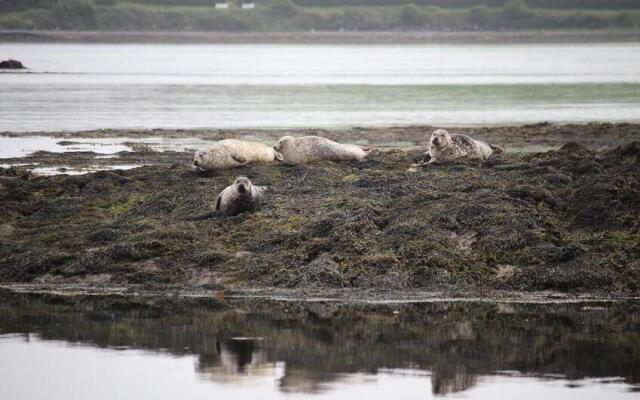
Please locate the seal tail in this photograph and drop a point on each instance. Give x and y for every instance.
(496, 148)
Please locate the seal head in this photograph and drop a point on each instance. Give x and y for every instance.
(285, 143)
(198, 158)
(441, 139)
(243, 185)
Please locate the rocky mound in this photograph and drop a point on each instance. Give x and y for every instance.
(564, 220)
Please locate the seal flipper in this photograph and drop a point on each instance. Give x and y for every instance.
(496, 148)
(239, 159)
(422, 158)
(218, 203)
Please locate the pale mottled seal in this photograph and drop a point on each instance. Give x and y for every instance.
(314, 148)
(231, 153)
(241, 196)
(444, 147)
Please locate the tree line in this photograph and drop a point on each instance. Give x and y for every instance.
(551, 4)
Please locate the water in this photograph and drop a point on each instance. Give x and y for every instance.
(104, 148)
(16, 147)
(92, 86)
(109, 347)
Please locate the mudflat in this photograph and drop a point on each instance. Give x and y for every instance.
(556, 216)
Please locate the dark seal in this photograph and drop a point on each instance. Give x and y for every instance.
(240, 197)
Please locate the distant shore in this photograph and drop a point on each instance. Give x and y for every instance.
(435, 37)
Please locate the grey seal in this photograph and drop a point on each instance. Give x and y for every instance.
(231, 153)
(307, 149)
(445, 147)
(241, 196)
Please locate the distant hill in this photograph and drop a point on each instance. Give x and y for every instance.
(318, 15)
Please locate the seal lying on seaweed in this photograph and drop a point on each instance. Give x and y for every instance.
(231, 153)
(241, 196)
(307, 149)
(445, 147)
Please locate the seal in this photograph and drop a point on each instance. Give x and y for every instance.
(241, 196)
(232, 153)
(444, 147)
(307, 149)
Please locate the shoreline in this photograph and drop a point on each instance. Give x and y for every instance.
(543, 135)
(328, 38)
(326, 296)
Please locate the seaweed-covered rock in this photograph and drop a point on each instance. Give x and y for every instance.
(562, 220)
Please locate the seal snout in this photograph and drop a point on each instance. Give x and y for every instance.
(242, 188)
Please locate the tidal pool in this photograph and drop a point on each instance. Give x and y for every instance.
(112, 347)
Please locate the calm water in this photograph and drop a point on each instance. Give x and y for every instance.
(88, 86)
(111, 348)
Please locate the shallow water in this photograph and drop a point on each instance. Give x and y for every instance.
(91, 86)
(104, 148)
(115, 348)
(16, 147)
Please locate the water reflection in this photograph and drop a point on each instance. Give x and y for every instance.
(235, 360)
(445, 381)
(323, 348)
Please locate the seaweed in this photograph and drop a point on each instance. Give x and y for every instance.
(564, 220)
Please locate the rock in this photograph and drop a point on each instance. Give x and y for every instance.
(561, 220)
(11, 64)
(630, 152)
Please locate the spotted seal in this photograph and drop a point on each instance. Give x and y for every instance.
(445, 147)
(241, 196)
(307, 149)
(231, 153)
